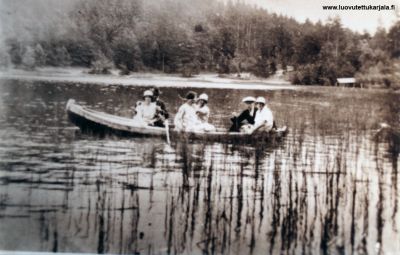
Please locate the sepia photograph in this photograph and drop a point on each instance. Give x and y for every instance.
(200, 127)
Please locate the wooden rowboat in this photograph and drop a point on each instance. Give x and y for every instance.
(99, 122)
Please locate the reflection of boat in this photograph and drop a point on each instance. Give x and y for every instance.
(100, 122)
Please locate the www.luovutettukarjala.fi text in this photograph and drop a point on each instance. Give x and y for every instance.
(359, 7)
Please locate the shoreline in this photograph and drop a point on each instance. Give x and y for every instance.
(79, 75)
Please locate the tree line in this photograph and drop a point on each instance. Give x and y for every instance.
(190, 37)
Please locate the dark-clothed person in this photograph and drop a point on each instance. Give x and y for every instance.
(246, 117)
(162, 113)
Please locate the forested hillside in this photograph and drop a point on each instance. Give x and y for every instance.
(179, 36)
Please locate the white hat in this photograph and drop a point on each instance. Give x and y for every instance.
(248, 99)
(261, 100)
(148, 93)
(203, 97)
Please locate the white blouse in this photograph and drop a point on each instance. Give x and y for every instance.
(186, 118)
(145, 113)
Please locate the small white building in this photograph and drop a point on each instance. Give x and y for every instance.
(347, 82)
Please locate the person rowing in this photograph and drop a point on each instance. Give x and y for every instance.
(203, 114)
(145, 110)
(162, 113)
(186, 118)
(246, 117)
(264, 120)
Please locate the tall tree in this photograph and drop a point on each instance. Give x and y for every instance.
(393, 40)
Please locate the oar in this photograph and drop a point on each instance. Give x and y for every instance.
(167, 131)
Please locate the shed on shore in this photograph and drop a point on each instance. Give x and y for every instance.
(347, 82)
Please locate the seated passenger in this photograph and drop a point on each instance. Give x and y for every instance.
(162, 113)
(186, 119)
(246, 117)
(264, 120)
(203, 113)
(145, 111)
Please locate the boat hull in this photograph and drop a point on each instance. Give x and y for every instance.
(90, 121)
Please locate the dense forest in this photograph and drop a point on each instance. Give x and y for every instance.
(188, 37)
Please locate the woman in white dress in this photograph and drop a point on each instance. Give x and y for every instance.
(264, 120)
(186, 119)
(203, 113)
(145, 111)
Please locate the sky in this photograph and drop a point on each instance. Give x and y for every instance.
(354, 19)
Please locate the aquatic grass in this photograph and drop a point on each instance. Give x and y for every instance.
(337, 110)
(328, 188)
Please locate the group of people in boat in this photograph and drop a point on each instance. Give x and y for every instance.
(193, 115)
(256, 117)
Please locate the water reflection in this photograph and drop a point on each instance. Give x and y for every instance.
(316, 192)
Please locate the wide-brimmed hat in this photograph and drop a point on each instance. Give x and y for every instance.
(248, 99)
(261, 100)
(203, 97)
(148, 93)
(190, 95)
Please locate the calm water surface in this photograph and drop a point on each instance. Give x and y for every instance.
(331, 187)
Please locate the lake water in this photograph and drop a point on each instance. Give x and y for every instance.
(330, 187)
